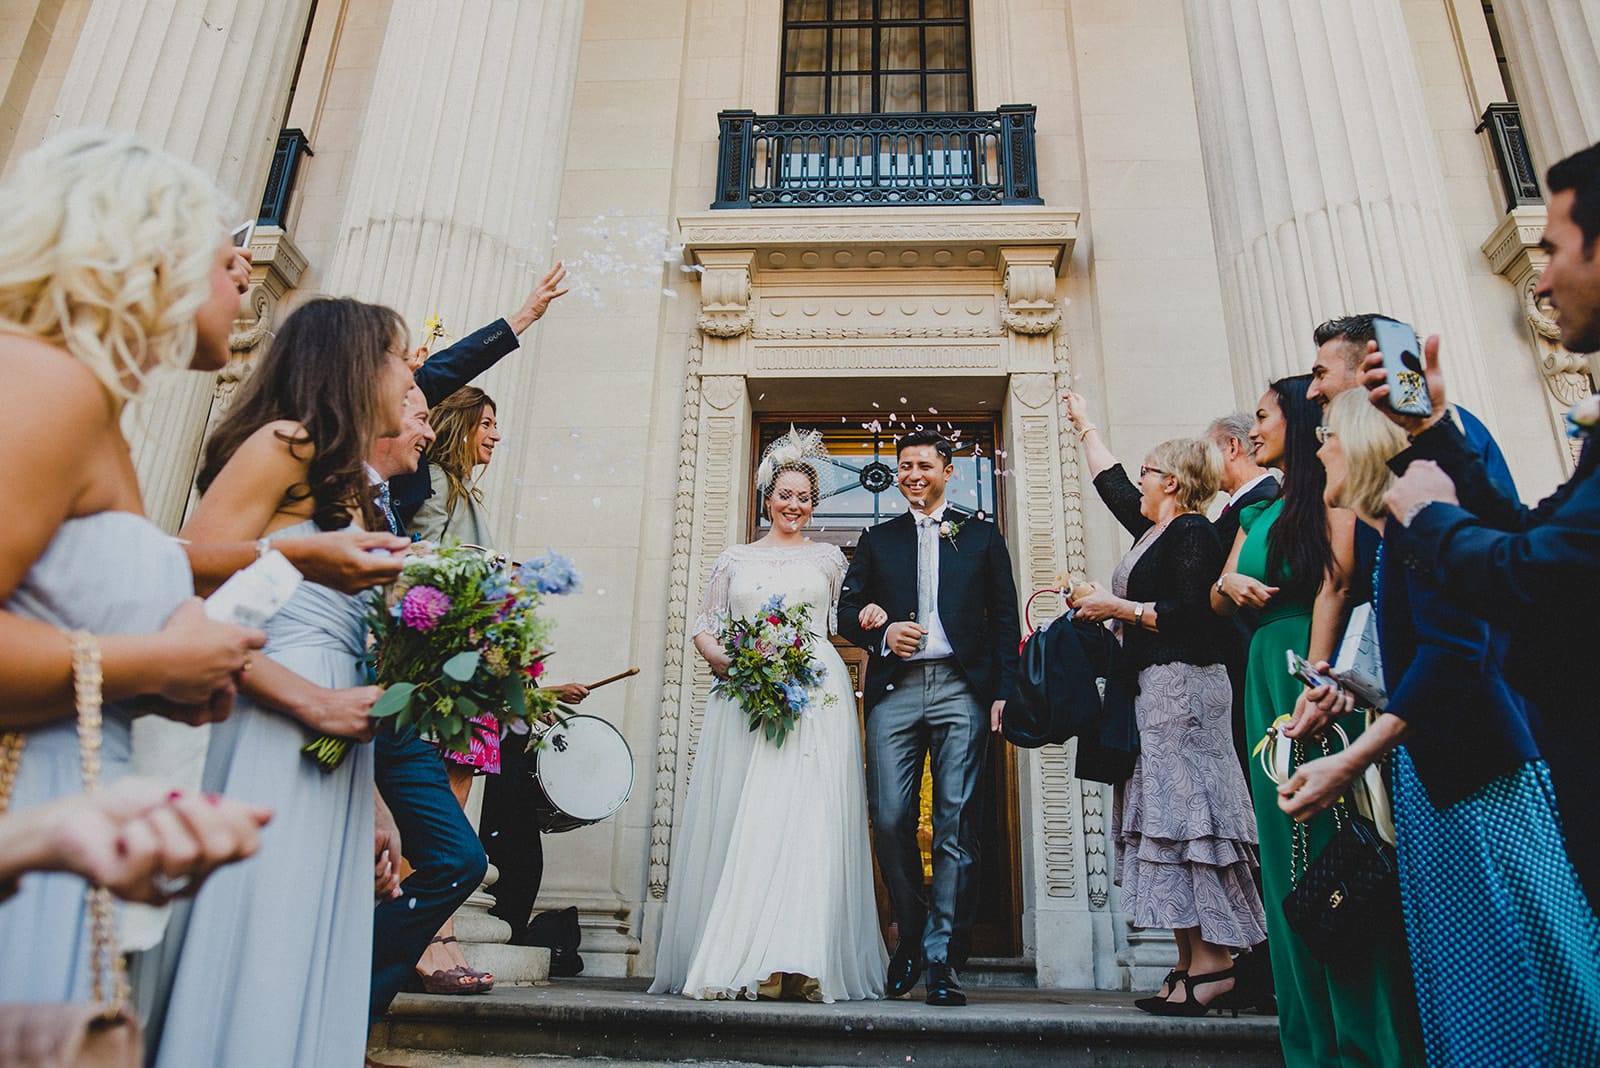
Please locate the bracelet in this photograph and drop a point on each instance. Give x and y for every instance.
(1085, 431)
(1414, 511)
(263, 546)
(1218, 586)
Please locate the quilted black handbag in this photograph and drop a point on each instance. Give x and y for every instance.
(1347, 900)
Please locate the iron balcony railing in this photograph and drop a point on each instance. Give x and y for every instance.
(885, 160)
(280, 179)
(1519, 179)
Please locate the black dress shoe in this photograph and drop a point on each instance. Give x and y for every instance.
(905, 968)
(943, 987)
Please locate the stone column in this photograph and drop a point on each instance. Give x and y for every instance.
(207, 80)
(1553, 47)
(451, 199)
(1325, 182)
(454, 186)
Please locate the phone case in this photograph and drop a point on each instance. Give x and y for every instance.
(1402, 363)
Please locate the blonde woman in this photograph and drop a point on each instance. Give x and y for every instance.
(466, 436)
(114, 265)
(1186, 836)
(1484, 871)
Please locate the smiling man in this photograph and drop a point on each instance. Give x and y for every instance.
(930, 596)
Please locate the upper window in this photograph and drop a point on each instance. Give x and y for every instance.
(843, 57)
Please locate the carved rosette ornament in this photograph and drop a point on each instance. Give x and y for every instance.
(1566, 374)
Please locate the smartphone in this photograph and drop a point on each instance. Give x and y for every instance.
(1402, 365)
(1302, 669)
(243, 233)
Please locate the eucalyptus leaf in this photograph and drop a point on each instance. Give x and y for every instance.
(394, 700)
(462, 666)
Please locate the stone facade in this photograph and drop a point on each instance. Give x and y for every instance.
(1205, 202)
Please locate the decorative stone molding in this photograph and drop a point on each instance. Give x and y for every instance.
(895, 238)
(1071, 492)
(725, 292)
(876, 357)
(1514, 253)
(722, 391)
(719, 436)
(1095, 858)
(797, 333)
(676, 629)
(1033, 390)
(1030, 284)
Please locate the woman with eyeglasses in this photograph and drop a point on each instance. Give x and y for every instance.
(1292, 561)
(1185, 833)
(1484, 871)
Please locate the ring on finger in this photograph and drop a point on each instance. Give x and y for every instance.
(169, 885)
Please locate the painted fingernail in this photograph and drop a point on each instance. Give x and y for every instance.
(213, 799)
(174, 795)
(122, 848)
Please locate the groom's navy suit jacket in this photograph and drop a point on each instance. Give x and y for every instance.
(977, 602)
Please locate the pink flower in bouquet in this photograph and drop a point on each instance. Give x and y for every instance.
(774, 620)
(423, 607)
(764, 647)
(534, 670)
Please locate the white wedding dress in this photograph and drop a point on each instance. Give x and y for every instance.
(771, 868)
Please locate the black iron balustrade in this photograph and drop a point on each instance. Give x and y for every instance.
(885, 160)
(1518, 176)
(280, 179)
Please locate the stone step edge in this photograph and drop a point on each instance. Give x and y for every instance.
(965, 1025)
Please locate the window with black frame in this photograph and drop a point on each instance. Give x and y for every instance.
(862, 489)
(851, 57)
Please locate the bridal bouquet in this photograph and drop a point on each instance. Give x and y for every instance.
(458, 636)
(772, 676)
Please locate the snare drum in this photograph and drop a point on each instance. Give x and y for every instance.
(582, 772)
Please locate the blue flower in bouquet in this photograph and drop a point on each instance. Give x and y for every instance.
(797, 696)
(551, 573)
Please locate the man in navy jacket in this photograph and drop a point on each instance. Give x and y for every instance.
(1537, 570)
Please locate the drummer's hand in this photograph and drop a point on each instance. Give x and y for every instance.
(871, 617)
(573, 693)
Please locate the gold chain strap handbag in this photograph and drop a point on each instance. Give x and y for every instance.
(102, 1033)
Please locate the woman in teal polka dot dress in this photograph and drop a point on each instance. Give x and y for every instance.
(1505, 949)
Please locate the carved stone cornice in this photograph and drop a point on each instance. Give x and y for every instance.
(892, 238)
(276, 267)
(1513, 248)
(1030, 283)
(725, 292)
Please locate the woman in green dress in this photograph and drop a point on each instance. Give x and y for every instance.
(1290, 564)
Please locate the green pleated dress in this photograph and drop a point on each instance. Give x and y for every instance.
(1326, 1018)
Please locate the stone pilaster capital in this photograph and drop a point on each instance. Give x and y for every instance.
(1030, 285)
(725, 310)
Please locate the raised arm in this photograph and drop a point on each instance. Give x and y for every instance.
(449, 369)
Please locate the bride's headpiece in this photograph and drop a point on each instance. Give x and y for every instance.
(797, 448)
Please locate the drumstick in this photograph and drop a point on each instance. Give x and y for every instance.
(613, 678)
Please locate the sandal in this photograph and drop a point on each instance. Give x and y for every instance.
(484, 980)
(449, 981)
(1193, 1006)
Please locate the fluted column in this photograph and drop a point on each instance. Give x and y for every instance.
(207, 80)
(450, 205)
(454, 187)
(1553, 47)
(1324, 181)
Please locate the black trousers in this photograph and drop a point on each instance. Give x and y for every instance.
(509, 830)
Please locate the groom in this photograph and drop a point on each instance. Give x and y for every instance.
(930, 596)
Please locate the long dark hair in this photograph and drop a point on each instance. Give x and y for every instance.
(455, 448)
(322, 371)
(1297, 545)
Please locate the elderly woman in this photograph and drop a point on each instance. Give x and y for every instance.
(1186, 836)
(1490, 899)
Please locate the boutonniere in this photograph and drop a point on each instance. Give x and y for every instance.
(1583, 417)
(949, 531)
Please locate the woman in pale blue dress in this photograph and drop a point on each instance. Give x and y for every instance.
(272, 965)
(114, 263)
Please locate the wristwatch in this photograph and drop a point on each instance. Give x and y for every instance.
(1138, 614)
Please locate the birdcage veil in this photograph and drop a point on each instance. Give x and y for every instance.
(799, 449)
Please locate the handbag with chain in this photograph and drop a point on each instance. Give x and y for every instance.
(102, 1033)
(1347, 899)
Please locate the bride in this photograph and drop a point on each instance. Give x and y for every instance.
(771, 889)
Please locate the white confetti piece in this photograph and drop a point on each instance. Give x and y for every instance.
(595, 502)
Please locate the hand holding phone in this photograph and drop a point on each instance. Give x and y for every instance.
(1302, 669)
(1402, 366)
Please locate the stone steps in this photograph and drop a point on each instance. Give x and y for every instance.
(579, 1019)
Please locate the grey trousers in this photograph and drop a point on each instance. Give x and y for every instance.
(930, 709)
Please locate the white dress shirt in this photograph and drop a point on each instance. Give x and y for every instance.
(938, 646)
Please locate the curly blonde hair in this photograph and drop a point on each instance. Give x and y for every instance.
(106, 249)
(1197, 465)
